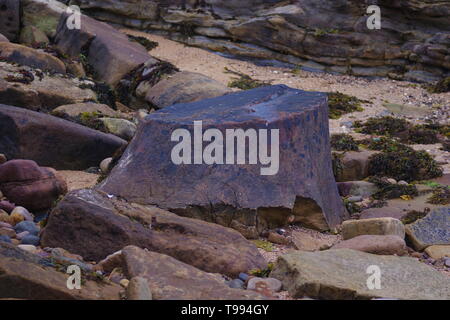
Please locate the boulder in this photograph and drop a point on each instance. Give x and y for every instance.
(384, 245)
(51, 141)
(438, 252)
(183, 87)
(434, 229)
(77, 109)
(346, 274)
(353, 165)
(33, 58)
(30, 89)
(254, 195)
(170, 279)
(10, 18)
(95, 225)
(23, 276)
(108, 51)
(357, 188)
(26, 184)
(375, 226)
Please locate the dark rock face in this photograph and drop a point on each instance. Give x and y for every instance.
(91, 224)
(332, 35)
(26, 184)
(170, 279)
(108, 51)
(51, 141)
(303, 189)
(10, 18)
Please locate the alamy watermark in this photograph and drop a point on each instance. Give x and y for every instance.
(231, 149)
(73, 21)
(374, 280)
(374, 21)
(74, 280)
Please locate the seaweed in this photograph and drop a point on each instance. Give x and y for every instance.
(146, 43)
(263, 244)
(340, 104)
(440, 196)
(262, 273)
(406, 164)
(413, 216)
(244, 81)
(343, 142)
(387, 126)
(384, 144)
(439, 87)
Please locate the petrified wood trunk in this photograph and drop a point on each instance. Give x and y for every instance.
(247, 197)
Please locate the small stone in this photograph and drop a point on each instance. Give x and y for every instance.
(7, 232)
(355, 199)
(6, 206)
(391, 181)
(447, 262)
(375, 226)
(236, 284)
(2, 158)
(28, 247)
(277, 238)
(273, 284)
(243, 276)
(124, 282)
(30, 239)
(417, 255)
(104, 165)
(402, 183)
(16, 218)
(138, 289)
(5, 225)
(438, 251)
(27, 226)
(4, 217)
(24, 212)
(5, 239)
(21, 235)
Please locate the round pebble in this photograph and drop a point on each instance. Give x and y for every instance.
(30, 239)
(16, 218)
(243, 276)
(236, 284)
(24, 212)
(447, 262)
(28, 247)
(27, 226)
(124, 282)
(104, 165)
(21, 235)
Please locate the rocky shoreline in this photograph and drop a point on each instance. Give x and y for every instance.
(87, 182)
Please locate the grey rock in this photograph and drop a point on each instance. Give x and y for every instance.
(138, 289)
(272, 284)
(5, 239)
(236, 284)
(30, 239)
(27, 226)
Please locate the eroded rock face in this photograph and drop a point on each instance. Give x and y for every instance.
(26, 184)
(322, 35)
(91, 224)
(51, 141)
(170, 279)
(303, 189)
(342, 274)
(10, 18)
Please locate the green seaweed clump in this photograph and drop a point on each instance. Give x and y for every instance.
(146, 43)
(440, 87)
(262, 273)
(407, 164)
(422, 135)
(413, 216)
(244, 81)
(343, 142)
(340, 104)
(383, 144)
(440, 196)
(387, 190)
(387, 125)
(263, 244)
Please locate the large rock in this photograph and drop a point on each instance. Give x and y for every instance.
(42, 14)
(385, 245)
(344, 274)
(26, 56)
(327, 35)
(37, 91)
(301, 190)
(26, 184)
(94, 226)
(183, 87)
(23, 276)
(434, 229)
(10, 18)
(51, 141)
(384, 212)
(353, 165)
(108, 51)
(170, 279)
(374, 226)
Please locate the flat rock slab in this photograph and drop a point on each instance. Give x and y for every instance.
(170, 279)
(23, 276)
(51, 141)
(303, 187)
(93, 225)
(342, 274)
(434, 229)
(385, 212)
(384, 245)
(375, 226)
